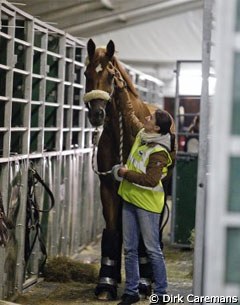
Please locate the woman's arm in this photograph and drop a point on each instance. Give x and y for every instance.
(153, 173)
(126, 108)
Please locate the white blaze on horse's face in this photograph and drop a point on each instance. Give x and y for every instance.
(99, 68)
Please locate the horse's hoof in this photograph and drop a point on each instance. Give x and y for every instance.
(105, 296)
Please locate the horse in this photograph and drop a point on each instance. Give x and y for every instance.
(113, 148)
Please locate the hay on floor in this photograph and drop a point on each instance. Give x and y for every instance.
(63, 269)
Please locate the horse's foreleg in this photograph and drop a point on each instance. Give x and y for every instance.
(112, 208)
(110, 271)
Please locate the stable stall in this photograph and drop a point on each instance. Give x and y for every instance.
(49, 191)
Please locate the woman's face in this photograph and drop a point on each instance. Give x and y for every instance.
(150, 124)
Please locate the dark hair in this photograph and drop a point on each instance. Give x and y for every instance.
(163, 120)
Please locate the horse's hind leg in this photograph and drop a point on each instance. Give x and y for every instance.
(110, 271)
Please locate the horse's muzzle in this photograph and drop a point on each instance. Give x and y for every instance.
(96, 116)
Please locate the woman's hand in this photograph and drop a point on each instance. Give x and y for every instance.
(122, 171)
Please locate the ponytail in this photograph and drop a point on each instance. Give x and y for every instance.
(172, 141)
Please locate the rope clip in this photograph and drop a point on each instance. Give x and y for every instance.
(95, 137)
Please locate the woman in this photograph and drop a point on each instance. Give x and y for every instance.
(143, 195)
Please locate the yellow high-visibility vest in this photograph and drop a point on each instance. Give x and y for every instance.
(147, 198)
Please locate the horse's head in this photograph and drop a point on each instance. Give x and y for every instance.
(99, 75)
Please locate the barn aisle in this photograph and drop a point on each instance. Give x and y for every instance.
(179, 267)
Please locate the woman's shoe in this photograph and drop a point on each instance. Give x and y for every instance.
(128, 299)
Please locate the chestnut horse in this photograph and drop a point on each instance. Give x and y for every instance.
(101, 100)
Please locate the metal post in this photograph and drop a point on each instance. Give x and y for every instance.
(43, 66)
(203, 151)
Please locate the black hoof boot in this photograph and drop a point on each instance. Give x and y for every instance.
(145, 290)
(105, 292)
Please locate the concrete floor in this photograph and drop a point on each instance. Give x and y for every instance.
(179, 264)
(179, 269)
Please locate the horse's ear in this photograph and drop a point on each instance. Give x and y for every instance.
(110, 49)
(91, 47)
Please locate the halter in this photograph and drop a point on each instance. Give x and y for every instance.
(96, 94)
(100, 94)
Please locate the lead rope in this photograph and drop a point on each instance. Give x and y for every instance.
(95, 143)
(121, 138)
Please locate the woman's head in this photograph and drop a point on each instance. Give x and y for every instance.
(160, 122)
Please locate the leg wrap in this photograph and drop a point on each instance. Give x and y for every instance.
(110, 267)
(145, 270)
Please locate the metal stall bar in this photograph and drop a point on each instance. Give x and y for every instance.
(185, 170)
(73, 247)
(20, 228)
(78, 238)
(202, 178)
(6, 74)
(57, 162)
(68, 95)
(23, 41)
(9, 15)
(83, 117)
(25, 49)
(13, 264)
(9, 81)
(39, 76)
(28, 84)
(66, 207)
(222, 238)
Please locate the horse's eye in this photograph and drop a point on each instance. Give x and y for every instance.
(87, 74)
(110, 69)
(110, 76)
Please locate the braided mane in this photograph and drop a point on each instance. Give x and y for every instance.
(125, 76)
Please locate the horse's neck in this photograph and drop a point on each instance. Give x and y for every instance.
(140, 108)
(114, 108)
